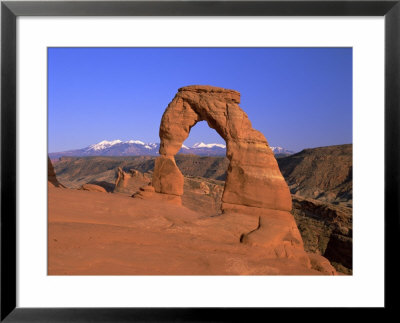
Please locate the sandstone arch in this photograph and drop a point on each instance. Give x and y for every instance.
(253, 177)
(256, 199)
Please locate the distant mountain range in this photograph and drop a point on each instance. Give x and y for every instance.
(140, 148)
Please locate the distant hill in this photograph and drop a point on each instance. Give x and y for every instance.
(140, 148)
(324, 174)
(75, 171)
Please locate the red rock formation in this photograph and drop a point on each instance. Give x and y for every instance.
(148, 192)
(253, 177)
(51, 175)
(167, 178)
(91, 233)
(254, 184)
(130, 182)
(321, 264)
(93, 188)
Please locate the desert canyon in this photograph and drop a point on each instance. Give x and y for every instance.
(165, 216)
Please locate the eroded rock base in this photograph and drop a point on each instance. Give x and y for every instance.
(148, 193)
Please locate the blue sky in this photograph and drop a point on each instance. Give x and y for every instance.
(297, 97)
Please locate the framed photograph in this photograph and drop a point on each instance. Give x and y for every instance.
(196, 160)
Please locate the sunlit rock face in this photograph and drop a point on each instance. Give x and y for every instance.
(253, 177)
(130, 182)
(51, 175)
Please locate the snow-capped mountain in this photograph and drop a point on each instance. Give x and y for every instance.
(104, 144)
(281, 151)
(203, 145)
(140, 148)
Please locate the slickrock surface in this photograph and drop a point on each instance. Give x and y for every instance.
(93, 188)
(113, 234)
(202, 195)
(148, 193)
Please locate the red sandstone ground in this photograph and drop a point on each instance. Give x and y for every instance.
(94, 233)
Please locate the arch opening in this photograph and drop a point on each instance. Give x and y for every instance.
(202, 134)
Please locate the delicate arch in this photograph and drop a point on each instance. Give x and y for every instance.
(253, 176)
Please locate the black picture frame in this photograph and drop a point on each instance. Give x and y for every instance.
(10, 10)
